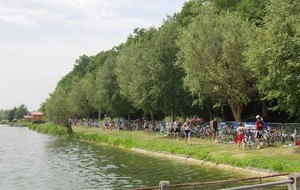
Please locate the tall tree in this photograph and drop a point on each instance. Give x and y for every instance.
(57, 109)
(11, 115)
(211, 54)
(274, 55)
(108, 91)
(21, 111)
(78, 101)
(174, 97)
(139, 72)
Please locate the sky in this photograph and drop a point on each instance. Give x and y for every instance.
(40, 40)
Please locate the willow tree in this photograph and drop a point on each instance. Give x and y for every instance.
(57, 109)
(211, 55)
(78, 102)
(108, 95)
(274, 56)
(139, 72)
(174, 98)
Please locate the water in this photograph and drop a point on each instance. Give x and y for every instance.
(30, 160)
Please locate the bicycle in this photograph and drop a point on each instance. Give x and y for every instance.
(271, 137)
(250, 140)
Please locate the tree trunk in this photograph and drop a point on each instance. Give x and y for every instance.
(265, 108)
(172, 115)
(69, 127)
(237, 110)
(99, 114)
(152, 118)
(128, 117)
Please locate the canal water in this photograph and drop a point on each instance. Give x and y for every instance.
(30, 160)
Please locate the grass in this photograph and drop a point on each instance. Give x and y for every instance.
(282, 159)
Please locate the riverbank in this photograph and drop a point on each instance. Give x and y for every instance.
(279, 159)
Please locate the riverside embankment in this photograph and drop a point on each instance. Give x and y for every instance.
(279, 159)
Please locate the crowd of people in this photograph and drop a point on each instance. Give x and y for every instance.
(178, 129)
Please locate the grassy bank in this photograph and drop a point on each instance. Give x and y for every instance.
(277, 159)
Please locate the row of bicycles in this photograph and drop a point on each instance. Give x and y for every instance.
(270, 137)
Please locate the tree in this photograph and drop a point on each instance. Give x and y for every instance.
(11, 115)
(188, 12)
(90, 90)
(274, 56)
(211, 54)
(77, 99)
(79, 71)
(20, 112)
(253, 11)
(174, 97)
(139, 72)
(108, 90)
(57, 109)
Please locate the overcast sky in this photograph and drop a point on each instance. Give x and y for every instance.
(41, 39)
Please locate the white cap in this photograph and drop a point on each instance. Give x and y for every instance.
(258, 116)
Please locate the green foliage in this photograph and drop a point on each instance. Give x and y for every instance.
(4, 121)
(252, 10)
(11, 114)
(78, 102)
(57, 109)
(138, 72)
(173, 97)
(223, 59)
(49, 129)
(188, 12)
(21, 112)
(274, 55)
(38, 122)
(107, 88)
(211, 54)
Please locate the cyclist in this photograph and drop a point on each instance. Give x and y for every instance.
(241, 130)
(259, 129)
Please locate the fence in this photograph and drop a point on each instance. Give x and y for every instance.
(292, 181)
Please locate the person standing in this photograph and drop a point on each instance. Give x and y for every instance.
(176, 129)
(146, 126)
(187, 132)
(105, 124)
(214, 127)
(241, 130)
(112, 125)
(259, 129)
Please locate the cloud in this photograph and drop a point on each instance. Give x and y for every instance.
(19, 16)
(41, 39)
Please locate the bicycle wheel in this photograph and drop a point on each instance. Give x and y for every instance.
(252, 143)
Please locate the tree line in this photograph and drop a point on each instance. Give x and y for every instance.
(212, 56)
(11, 114)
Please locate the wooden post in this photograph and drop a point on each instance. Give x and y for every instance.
(296, 184)
(164, 185)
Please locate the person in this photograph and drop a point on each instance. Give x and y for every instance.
(146, 126)
(214, 127)
(176, 129)
(241, 130)
(112, 125)
(187, 132)
(259, 129)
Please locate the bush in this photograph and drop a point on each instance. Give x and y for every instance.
(38, 122)
(4, 122)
